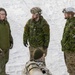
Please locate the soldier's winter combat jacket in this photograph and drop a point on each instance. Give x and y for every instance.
(37, 33)
(68, 40)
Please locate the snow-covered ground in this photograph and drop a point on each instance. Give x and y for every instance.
(18, 14)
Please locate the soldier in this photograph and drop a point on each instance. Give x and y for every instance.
(6, 40)
(68, 40)
(36, 67)
(36, 32)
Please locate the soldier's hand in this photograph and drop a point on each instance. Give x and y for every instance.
(11, 46)
(25, 44)
(1, 51)
(45, 47)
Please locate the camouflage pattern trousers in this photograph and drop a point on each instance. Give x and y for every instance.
(70, 61)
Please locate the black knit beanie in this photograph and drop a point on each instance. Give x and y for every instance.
(38, 54)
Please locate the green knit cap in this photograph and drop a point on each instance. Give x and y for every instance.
(38, 54)
(35, 10)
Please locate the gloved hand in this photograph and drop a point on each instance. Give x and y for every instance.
(1, 51)
(25, 44)
(44, 47)
(11, 46)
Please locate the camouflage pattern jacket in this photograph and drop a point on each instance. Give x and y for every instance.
(37, 33)
(68, 39)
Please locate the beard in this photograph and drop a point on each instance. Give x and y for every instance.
(65, 18)
(35, 18)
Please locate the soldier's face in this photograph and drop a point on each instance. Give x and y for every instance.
(2, 15)
(66, 15)
(35, 16)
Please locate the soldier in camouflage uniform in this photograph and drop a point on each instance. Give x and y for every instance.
(36, 32)
(6, 41)
(36, 67)
(68, 40)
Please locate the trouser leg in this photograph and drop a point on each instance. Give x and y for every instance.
(2, 69)
(31, 50)
(3, 62)
(70, 62)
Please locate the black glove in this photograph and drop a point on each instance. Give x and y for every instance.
(1, 51)
(11, 46)
(44, 47)
(25, 44)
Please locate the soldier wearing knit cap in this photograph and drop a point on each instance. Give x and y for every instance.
(6, 40)
(36, 32)
(68, 40)
(36, 66)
